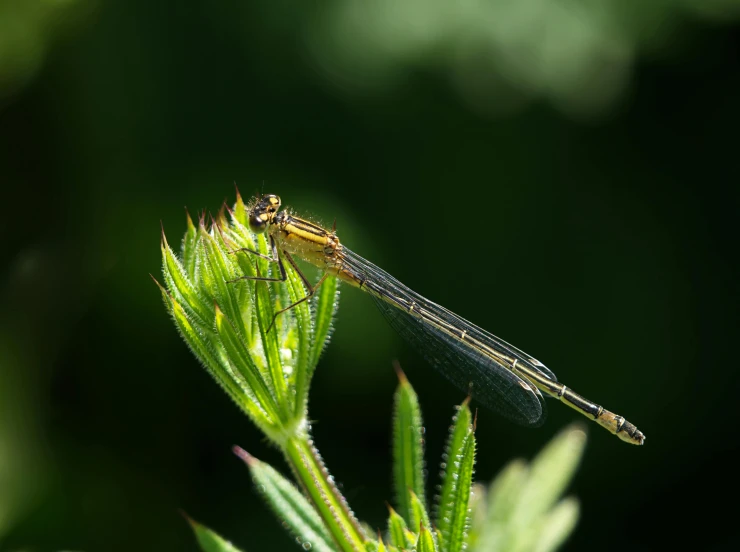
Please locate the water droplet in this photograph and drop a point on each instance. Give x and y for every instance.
(307, 546)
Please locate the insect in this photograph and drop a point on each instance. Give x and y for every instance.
(497, 374)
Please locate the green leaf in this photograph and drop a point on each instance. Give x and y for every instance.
(550, 474)
(242, 360)
(204, 351)
(398, 531)
(494, 532)
(478, 513)
(189, 246)
(330, 505)
(521, 516)
(379, 546)
(506, 490)
(408, 451)
(557, 525)
(459, 516)
(457, 472)
(184, 290)
(289, 505)
(240, 210)
(326, 303)
(419, 511)
(264, 309)
(425, 543)
(302, 327)
(210, 541)
(217, 271)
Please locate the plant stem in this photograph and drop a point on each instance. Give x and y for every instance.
(318, 485)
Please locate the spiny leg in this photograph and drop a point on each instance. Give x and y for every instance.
(275, 259)
(311, 288)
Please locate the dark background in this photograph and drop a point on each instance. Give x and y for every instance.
(565, 178)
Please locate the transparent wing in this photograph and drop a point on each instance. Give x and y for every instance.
(437, 334)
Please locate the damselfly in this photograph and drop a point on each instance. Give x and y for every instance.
(496, 374)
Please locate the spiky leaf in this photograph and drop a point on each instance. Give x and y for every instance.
(211, 541)
(425, 543)
(398, 531)
(452, 513)
(408, 451)
(289, 505)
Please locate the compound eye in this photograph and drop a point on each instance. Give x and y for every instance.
(257, 223)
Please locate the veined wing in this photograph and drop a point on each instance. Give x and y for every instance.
(474, 360)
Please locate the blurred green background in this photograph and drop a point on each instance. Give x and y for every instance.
(562, 173)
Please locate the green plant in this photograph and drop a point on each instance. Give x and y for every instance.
(227, 321)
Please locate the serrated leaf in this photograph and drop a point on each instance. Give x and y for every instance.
(325, 306)
(265, 312)
(398, 531)
(460, 450)
(408, 451)
(425, 543)
(217, 271)
(302, 325)
(331, 506)
(204, 351)
(456, 532)
(240, 210)
(210, 541)
(478, 513)
(290, 506)
(440, 539)
(419, 511)
(184, 290)
(189, 246)
(242, 360)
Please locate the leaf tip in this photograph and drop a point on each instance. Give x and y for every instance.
(247, 458)
(157, 282)
(402, 379)
(184, 514)
(164, 238)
